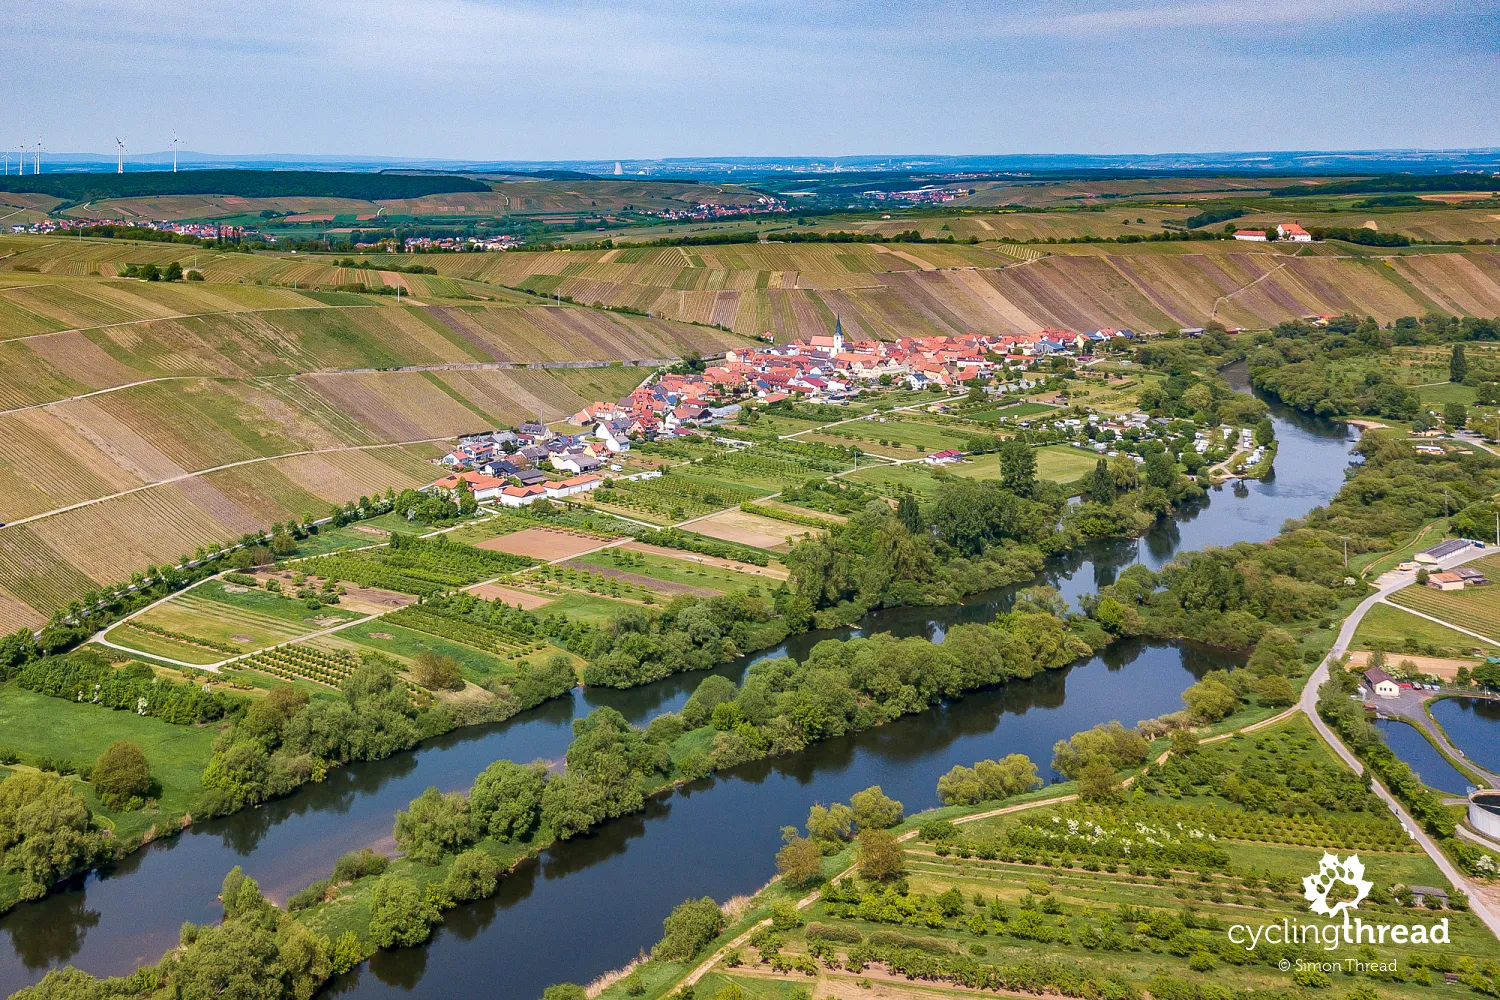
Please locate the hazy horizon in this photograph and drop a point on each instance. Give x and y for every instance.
(558, 80)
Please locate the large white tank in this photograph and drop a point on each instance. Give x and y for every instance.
(1484, 812)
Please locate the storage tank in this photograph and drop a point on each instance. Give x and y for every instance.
(1484, 812)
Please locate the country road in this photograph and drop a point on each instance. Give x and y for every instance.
(1308, 704)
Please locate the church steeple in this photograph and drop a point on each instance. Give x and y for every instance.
(838, 335)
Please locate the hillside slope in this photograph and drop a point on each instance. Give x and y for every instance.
(140, 420)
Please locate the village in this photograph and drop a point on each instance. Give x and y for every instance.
(515, 467)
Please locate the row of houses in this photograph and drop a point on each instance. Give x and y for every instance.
(1291, 232)
(502, 491)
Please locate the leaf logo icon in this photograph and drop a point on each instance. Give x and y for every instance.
(1331, 871)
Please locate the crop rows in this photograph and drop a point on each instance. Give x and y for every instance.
(678, 496)
(293, 662)
(418, 566)
(1473, 610)
(189, 640)
(469, 633)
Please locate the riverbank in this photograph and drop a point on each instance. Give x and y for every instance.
(287, 843)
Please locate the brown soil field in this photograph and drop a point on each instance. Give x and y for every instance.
(363, 600)
(775, 571)
(543, 543)
(1437, 666)
(649, 582)
(527, 600)
(747, 529)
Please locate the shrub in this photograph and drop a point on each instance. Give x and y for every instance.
(873, 809)
(357, 864)
(122, 776)
(437, 672)
(473, 876)
(690, 926)
(399, 913)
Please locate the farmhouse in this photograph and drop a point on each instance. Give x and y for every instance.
(1293, 233)
(946, 457)
(1445, 581)
(1443, 550)
(1250, 235)
(1381, 683)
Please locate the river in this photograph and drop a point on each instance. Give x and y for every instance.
(593, 903)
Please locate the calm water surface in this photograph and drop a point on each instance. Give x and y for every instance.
(1472, 725)
(715, 838)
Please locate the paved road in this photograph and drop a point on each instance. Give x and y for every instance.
(1309, 705)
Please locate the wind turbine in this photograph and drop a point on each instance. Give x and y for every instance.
(175, 143)
(6, 155)
(120, 142)
(36, 164)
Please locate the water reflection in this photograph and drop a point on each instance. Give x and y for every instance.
(130, 913)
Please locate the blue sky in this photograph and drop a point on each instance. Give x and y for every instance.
(563, 79)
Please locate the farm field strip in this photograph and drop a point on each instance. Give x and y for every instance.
(1477, 610)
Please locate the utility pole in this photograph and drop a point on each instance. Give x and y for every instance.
(1346, 551)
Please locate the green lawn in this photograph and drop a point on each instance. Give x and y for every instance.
(63, 730)
(406, 644)
(1059, 463)
(1448, 392)
(895, 479)
(1391, 629)
(674, 570)
(1017, 411)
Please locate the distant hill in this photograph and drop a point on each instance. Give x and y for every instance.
(242, 183)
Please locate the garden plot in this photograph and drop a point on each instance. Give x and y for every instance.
(217, 620)
(775, 572)
(543, 543)
(750, 529)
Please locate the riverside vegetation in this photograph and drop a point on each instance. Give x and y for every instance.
(1245, 597)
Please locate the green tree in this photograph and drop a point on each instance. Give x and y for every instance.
(689, 928)
(565, 991)
(122, 775)
(908, 513)
(1276, 691)
(1209, 701)
(1099, 486)
(433, 825)
(800, 861)
(473, 876)
(1161, 471)
(830, 823)
(873, 809)
(1096, 780)
(1265, 432)
(880, 857)
(46, 830)
(437, 672)
(1018, 468)
(400, 915)
(173, 272)
(506, 799)
(1458, 365)
(988, 780)
(1455, 414)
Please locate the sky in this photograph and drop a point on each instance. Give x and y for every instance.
(581, 79)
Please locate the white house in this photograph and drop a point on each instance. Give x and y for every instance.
(1381, 683)
(1293, 233)
(569, 487)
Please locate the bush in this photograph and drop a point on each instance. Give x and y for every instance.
(565, 991)
(690, 926)
(473, 876)
(357, 864)
(437, 672)
(399, 913)
(122, 776)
